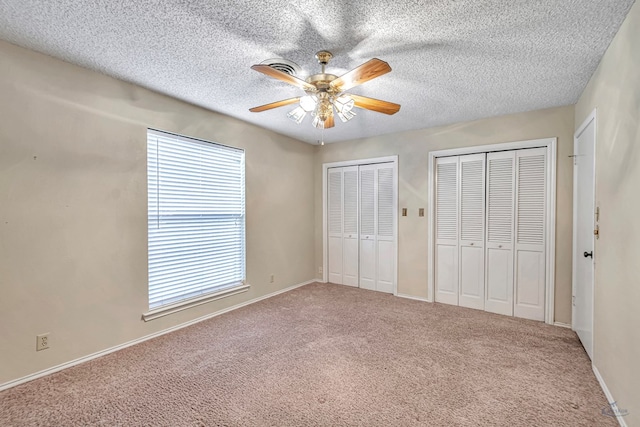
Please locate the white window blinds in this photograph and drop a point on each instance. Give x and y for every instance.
(196, 217)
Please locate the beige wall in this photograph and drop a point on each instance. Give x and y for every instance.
(614, 90)
(73, 254)
(412, 149)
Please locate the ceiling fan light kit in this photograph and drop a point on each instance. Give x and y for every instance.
(326, 94)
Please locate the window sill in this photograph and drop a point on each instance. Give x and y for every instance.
(183, 305)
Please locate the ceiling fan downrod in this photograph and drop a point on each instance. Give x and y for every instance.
(323, 57)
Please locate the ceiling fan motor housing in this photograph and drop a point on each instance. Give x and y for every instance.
(322, 81)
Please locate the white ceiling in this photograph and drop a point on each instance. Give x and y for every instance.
(452, 60)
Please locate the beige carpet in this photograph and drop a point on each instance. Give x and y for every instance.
(328, 355)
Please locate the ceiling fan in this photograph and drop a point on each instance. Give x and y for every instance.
(326, 93)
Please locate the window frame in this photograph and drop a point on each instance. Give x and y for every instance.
(221, 291)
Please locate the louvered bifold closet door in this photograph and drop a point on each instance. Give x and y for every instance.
(368, 226)
(350, 226)
(500, 232)
(386, 226)
(334, 178)
(472, 206)
(530, 233)
(446, 229)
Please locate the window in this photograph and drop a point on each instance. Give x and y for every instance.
(196, 219)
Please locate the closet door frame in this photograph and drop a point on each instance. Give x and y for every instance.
(358, 162)
(551, 153)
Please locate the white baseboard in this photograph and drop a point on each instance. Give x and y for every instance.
(608, 394)
(412, 297)
(92, 356)
(562, 325)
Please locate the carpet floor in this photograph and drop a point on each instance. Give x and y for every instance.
(328, 355)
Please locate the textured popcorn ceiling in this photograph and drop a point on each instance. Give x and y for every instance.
(452, 60)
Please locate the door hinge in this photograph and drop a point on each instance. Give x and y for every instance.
(573, 300)
(596, 232)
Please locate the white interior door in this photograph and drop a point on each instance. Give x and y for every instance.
(584, 224)
(446, 230)
(335, 262)
(350, 226)
(500, 231)
(386, 226)
(531, 207)
(368, 219)
(472, 206)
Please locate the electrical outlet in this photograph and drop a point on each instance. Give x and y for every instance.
(319, 270)
(42, 342)
(272, 279)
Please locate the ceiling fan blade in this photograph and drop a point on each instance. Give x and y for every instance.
(329, 123)
(362, 74)
(375, 104)
(276, 104)
(279, 75)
